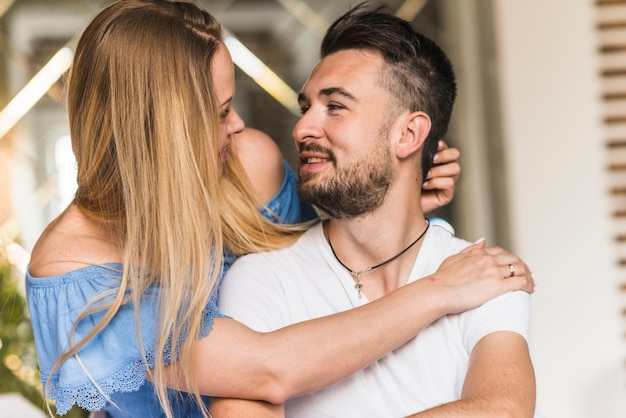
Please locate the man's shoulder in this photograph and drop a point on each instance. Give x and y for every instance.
(269, 290)
(444, 241)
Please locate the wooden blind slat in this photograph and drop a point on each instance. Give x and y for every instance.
(612, 14)
(613, 86)
(613, 62)
(612, 37)
(615, 109)
(617, 155)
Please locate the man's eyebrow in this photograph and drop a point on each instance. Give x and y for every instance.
(329, 91)
(337, 90)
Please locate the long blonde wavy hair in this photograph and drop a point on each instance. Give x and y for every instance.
(144, 118)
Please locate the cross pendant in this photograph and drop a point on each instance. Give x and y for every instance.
(358, 287)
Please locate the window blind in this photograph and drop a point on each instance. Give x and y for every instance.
(611, 28)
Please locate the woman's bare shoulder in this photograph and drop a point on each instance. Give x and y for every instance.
(262, 160)
(70, 242)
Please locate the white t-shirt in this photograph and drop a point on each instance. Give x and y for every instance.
(270, 290)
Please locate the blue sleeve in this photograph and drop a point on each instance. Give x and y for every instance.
(112, 362)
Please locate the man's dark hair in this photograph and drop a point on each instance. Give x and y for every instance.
(418, 74)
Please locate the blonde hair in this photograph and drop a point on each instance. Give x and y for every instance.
(144, 118)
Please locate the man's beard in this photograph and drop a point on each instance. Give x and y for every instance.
(355, 190)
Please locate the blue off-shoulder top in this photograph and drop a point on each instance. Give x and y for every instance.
(108, 373)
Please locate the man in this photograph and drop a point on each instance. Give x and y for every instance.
(372, 111)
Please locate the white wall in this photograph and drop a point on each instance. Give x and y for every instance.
(560, 203)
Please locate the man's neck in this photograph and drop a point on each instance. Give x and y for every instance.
(369, 240)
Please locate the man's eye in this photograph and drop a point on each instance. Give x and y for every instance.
(334, 106)
(303, 109)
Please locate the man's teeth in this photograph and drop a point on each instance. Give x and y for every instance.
(313, 160)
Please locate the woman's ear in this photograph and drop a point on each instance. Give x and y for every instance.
(416, 129)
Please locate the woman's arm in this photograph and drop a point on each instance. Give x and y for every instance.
(234, 361)
(245, 408)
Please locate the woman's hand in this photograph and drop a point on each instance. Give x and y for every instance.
(478, 274)
(439, 185)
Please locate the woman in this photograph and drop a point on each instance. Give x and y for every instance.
(122, 285)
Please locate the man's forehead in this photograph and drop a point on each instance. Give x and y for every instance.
(345, 70)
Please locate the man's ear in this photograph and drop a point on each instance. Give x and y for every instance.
(415, 130)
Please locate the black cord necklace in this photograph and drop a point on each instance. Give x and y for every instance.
(356, 274)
